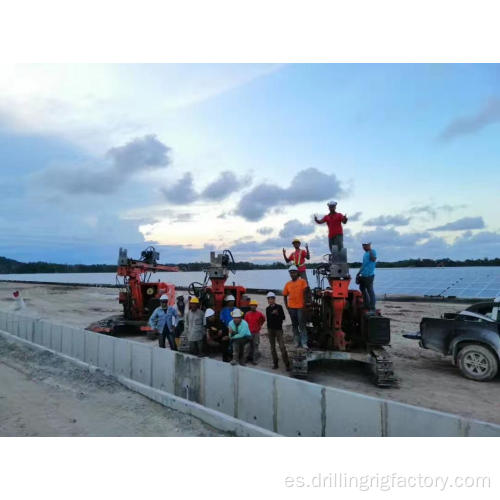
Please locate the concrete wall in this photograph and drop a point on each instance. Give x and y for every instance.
(278, 404)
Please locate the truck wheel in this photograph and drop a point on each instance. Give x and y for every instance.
(477, 362)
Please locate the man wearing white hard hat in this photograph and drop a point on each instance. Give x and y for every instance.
(225, 314)
(217, 334)
(294, 296)
(240, 335)
(163, 321)
(366, 276)
(275, 317)
(334, 221)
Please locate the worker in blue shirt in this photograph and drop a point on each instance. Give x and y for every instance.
(163, 320)
(366, 276)
(225, 314)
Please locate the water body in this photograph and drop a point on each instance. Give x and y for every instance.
(463, 282)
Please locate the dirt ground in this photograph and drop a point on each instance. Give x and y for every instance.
(42, 394)
(426, 378)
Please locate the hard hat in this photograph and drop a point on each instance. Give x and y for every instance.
(164, 297)
(194, 300)
(254, 303)
(209, 312)
(367, 243)
(270, 294)
(293, 267)
(236, 313)
(332, 203)
(295, 240)
(229, 297)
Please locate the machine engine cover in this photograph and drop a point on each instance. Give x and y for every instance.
(339, 270)
(378, 330)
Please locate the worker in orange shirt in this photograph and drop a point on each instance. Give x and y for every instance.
(294, 296)
(298, 257)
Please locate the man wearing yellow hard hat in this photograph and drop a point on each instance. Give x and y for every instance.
(298, 257)
(193, 327)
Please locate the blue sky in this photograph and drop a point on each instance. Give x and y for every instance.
(195, 157)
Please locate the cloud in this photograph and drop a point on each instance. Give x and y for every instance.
(461, 224)
(294, 228)
(226, 184)
(433, 210)
(487, 115)
(388, 220)
(181, 192)
(140, 154)
(106, 176)
(308, 185)
(265, 230)
(355, 217)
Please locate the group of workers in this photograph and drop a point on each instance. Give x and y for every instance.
(236, 331)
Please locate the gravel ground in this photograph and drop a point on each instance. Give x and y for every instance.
(42, 394)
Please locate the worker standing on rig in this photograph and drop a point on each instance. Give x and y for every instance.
(275, 317)
(298, 257)
(334, 220)
(293, 294)
(255, 320)
(194, 328)
(366, 276)
(162, 320)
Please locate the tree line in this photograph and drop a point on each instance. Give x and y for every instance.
(10, 266)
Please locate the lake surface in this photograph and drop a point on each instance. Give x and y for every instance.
(464, 282)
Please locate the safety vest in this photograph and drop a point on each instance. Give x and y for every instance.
(299, 257)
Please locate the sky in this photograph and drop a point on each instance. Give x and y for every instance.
(197, 157)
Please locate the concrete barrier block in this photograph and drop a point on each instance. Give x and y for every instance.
(255, 397)
(141, 363)
(3, 321)
(123, 358)
(106, 353)
(483, 429)
(91, 347)
(46, 334)
(188, 377)
(412, 421)
(56, 338)
(38, 332)
(351, 414)
(13, 324)
(23, 327)
(78, 343)
(298, 408)
(67, 340)
(163, 369)
(219, 386)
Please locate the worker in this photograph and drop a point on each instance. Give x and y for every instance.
(298, 257)
(180, 307)
(245, 304)
(239, 333)
(225, 314)
(194, 328)
(366, 276)
(334, 221)
(217, 334)
(293, 294)
(163, 321)
(275, 317)
(255, 320)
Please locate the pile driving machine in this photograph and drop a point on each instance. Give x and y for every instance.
(340, 327)
(212, 295)
(139, 296)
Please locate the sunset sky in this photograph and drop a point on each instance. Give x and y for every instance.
(191, 158)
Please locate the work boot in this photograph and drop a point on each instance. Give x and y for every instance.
(275, 366)
(288, 368)
(234, 362)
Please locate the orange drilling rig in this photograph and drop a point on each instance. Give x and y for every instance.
(340, 327)
(139, 296)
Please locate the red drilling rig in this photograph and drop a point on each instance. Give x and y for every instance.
(340, 327)
(139, 296)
